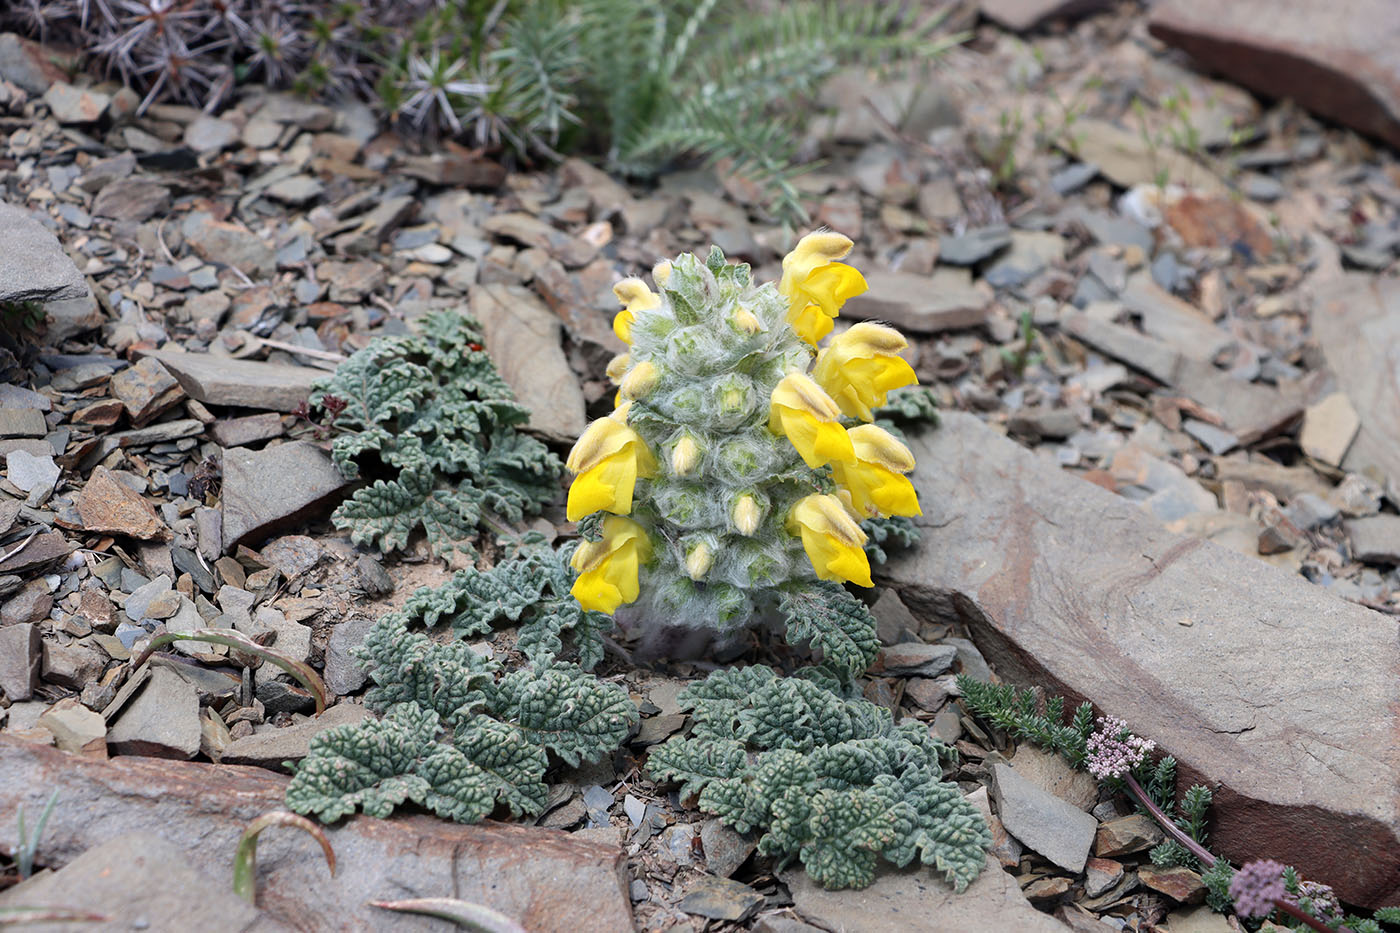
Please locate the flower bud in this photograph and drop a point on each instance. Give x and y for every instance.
(699, 560)
(618, 366)
(747, 515)
(661, 272)
(684, 456)
(746, 321)
(640, 380)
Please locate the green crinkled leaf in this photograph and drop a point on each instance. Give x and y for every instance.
(835, 623)
(572, 714)
(882, 535)
(489, 761)
(826, 777)
(367, 765)
(849, 828)
(434, 425)
(450, 679)
(541, 639)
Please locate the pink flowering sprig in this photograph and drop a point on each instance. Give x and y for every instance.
(1112, 751)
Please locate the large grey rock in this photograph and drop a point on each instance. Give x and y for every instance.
(1043, 822)
(19, 660)
(1356, 320)
(543, 879)
(240, 383)
(1025, 15)
(1341, 60)
(161, 722)
(908, 899)
(26, 64)
(525, 339)
(946, 300)
(140, 881)
(1277, 695)
(33, 267)
(257, 496)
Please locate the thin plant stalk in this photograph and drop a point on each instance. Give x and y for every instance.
(229, 638)
(1207, 859)
(28, 846)
(245, 859)
(463, 913)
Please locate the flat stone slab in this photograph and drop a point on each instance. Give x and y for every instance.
(543, 879)
(140, 881)
(1356, 319)
(946, 300)
(33, 267)
(908, 899)
(1339, 59)
(240, 383)
(258, 498)
(1281, 697)
(524, 339)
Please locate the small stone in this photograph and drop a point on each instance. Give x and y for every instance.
(1179, 883)
(30, 472)
(1328, 429)
(1049, 771)
(1216, 440)
(1204, 919)
(31, 604)
(106, 505)
(143, 595)
(1045, 890)
(71, 665)
(1052, 423)
(1101, 874)
(229, 244)
(271, 747)
(206, 134)
(292, 555)
(973, 246)
(894, 623)
(240, 383)
(35, 267)
(372, 576)
(721, 899)
(164, 605)
(947, 725)
(1057, 830)
(74, 104)
(147, 390)
(352, 281)
(134, 200)
(41, 550)
(22, 422)
(1308, 511)
(256, 497)
(1126, 835)
(240, 432)
(295, 190)
(725, 849)
(927, 693)
(278, 696)
(76, 728)
(20, 659)
(1375, 539)
(918, 659)
(1073, 177)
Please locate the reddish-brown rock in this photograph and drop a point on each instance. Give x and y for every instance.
(541, 878)
(1338, 58)
(1281, 697)
(106, 505)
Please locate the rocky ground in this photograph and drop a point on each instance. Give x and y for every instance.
(1147, 278)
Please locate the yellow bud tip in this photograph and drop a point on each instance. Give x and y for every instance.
(634, 295)
(618, 366)
(821, 246)
(872, 337)
(873, 444)
(622, 411)
(640, 380)
(746, 515)
(746, 321)
(799, 392)
(661, 272)
(684, 456)
(699, 561)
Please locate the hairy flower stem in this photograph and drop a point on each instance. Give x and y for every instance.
(1207, 859)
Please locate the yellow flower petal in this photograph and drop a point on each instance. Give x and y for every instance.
(831, 538)
(807, 416)
(860, 367)
(875, 481)
(622, 326)
(831, 285)
(608, 569)
(810, 323)
(811, 252)
(608, 458)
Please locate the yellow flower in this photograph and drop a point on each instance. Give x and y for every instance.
(809, 418)
(831, 538)
(860, 367)
(607, 459)
(608, 568)
(816, 285)
(746, 321)
(635, 297)
(876, 479)
(618, 366)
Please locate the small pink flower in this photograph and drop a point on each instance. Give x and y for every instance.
(1256, 886)
(1113, 751)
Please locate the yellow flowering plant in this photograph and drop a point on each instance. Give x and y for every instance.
(740, 461)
